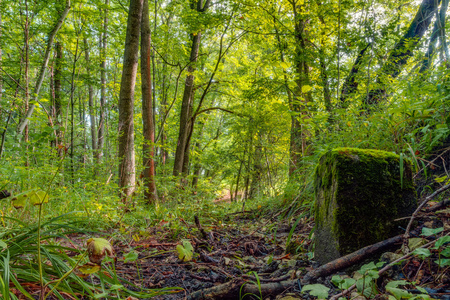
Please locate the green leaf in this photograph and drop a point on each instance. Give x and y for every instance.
(34, 196)
(443, 262)
(131, 256)
(318, 290)
(367, 267)
(98, 248)
(430, 231)
(3, 244)
(89, 269)
(396, 283)
(414, 243)
(186, 251)
(342, 283)
(446, 252)
(398, 293)
(306, 88)
(442, 240)
(422, 252)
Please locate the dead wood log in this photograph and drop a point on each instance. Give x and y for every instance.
(438, 206)
(350, 259)
(232, 290)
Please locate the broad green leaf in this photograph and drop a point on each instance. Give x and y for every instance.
(442, 241)
(414, 243)
(342, 283)
(284, 65)
(399, 293)
(422, 252)
(443, 262)
(98, 248)
(318, 290)
(185, 251)
(430, 231)
(396, 283)
(306, 88)
(3, 244)
(34, 196)
(89, 269)
(446, 252)
(131, 256)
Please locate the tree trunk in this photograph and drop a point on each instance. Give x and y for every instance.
(350, 85)
(402, 51)
(41, 74)
(438, 31)
(127, 170)
(147, 109)
(92, 118)
(186, 107)
(299, 144)
(102, 121)
(181, 156)
(72, 114)
(57, 97)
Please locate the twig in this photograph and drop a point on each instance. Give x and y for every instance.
(381, 271)
(199, 226)
(408, 228)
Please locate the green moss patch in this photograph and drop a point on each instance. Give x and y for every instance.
(359, 194)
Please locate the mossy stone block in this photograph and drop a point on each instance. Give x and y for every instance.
(359, 195)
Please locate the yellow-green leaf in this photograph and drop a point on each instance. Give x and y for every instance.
(89, 269)
(98, 248)
(186, 251)
(306, 88)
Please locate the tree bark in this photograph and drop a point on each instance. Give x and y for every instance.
(23, 123)
(185, 131)
(92, 117)
(57, 97)
(186, 107)
(127, 170)
(147, 109)
(350, 85)
(402, 51)
(299, 142)
(438, 31)
(102, 120)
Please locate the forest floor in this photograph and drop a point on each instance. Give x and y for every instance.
(264, 254)
(250, 250)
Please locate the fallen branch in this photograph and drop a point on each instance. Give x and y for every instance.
(438, 206)
(350, 259)
(232, 290)
(413, 216)
(381, 271)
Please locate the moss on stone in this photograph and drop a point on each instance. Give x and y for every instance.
(359, 194)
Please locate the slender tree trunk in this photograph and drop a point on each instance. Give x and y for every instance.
(102, 121)
(1, 77)
(72, 113)
(186, 107)
(300, 135)
(188, 98)
(127, 172)
(41, 75)
(57, 96)
(147, 108)
(92, 117)
(27, 82)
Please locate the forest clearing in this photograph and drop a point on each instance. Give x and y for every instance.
(201, 149)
